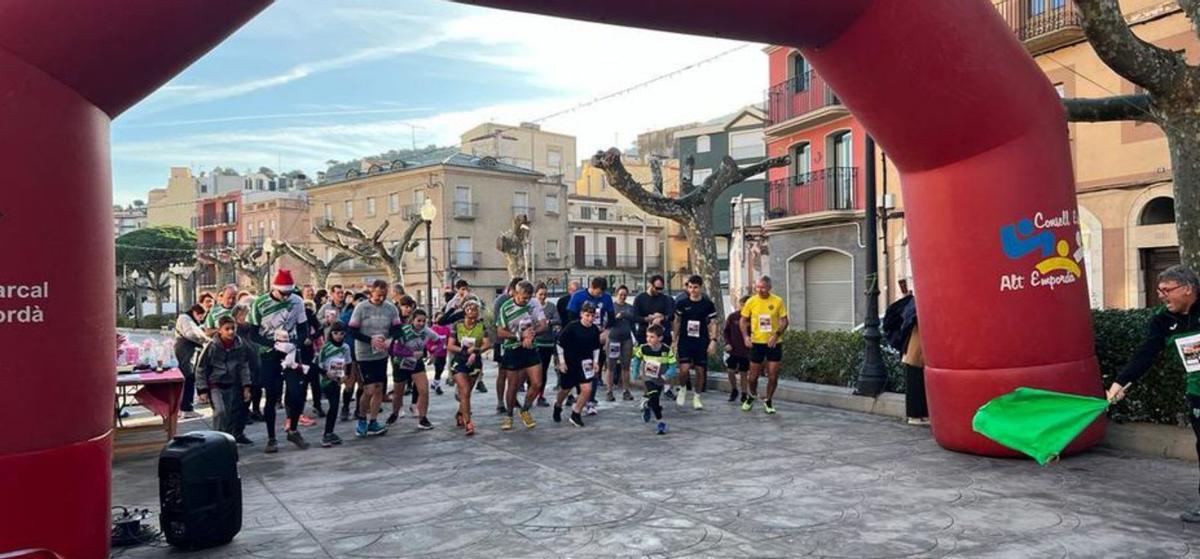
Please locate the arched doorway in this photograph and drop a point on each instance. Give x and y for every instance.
(1091, 235)
(1152, 244)
(820, 288)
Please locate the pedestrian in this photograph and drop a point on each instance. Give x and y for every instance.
(902, 331)
(245, 330)
(407, 306)
(207, 301)
(280, 319)
(695, 335)
(547, 339)
(452, 311)
(308, 353)
(518, 323)
(764, 320)
(1175, 327)
(619, 348)
(503, 372)
(226, 301)
(653, 307)
(655, 363)
(437, 351)
(597, 295)
(223, 378)
(560, 306)
(332, 363)
(373, 325)
(409, 355)
(189, 339)
(737, 355)
(307, 292)
(578, 359)
(468, 341)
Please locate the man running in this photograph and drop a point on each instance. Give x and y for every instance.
(653, 307)
(597, 295)
(546, 340)
(503, 372)
(695, 335)
(468, 342)
(764, 320)
(280, 318)
(579, 355)
(519, 322)
(372, 325)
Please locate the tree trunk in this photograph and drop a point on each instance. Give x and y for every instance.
(1183, 139)
(321, 276)
(698, 227)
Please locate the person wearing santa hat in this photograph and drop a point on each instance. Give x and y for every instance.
(279, 318)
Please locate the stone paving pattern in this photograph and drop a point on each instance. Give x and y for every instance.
(807, 482)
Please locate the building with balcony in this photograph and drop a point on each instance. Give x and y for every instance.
(128, 218)
(476, 199)
(526, 146)
(278, 216)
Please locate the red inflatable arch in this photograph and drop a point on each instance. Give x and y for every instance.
(971, 123)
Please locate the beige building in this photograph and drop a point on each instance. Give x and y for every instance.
(526, 146)
(476, 199)
(279, 216)
(176, 203)
(129, 218)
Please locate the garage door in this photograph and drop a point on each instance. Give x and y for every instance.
(828, 292)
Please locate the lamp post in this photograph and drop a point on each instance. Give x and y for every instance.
(269, 250)
(873, 378)
(428, 213)
(137, 300)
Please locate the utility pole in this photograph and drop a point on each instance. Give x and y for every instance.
(873, 378)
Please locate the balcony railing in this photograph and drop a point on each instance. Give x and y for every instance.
(612, 215)
(211, 220)
(614, 262)
(831, 189)
(798, 96)
(1030, 19)
(466, 210)
(464, 259)
(216, 245)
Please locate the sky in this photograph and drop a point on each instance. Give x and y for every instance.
(309, 81)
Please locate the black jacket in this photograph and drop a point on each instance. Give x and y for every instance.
(218, 365)
(899, 321)
(1163, 325)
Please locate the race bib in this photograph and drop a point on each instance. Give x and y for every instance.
(589, 369)
(614, 350)
(653, 368)
(764, 323)
(468, 342)
(1189, 352)
(337, 369)
(693, 328)
(408, 363)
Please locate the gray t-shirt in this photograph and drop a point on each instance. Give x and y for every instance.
(622, 326)
(373, 320)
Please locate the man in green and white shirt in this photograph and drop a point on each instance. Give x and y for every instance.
(518, 322)
(226, 302)
(280, 321)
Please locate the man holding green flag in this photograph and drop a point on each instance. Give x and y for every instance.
(1176, 328)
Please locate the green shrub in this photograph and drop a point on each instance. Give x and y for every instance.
(834, 358)
(1159, 396)
(150, 321)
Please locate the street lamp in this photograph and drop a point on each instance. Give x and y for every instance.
(269, 249)
(428, 212)
(137, 300)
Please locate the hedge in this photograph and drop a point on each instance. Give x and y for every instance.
(835, 358)
(150, 321)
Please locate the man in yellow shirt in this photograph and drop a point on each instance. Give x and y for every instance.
(764, 319)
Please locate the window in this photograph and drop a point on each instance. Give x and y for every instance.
(420, 248)
(231, 238)
(747, 145)
(843, 169)
(462, 194)
(602, 214)
(370, 206)
(585, 212)
(230, 212)
(349, 209)
(1039, 7)
(418, 198)
(552, 204)
(699, 175)
(272, 226)
(801, 74)
(801, 161)
(554, 159)
(328, 212)
(394, 203)
(703, 144)
(464, 252)
(552, 249)
(521, 202)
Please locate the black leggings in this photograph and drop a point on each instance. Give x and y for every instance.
(439, 366)
(1194, 418)
(914, 392)
(274, 380)
(653, 391)
(333, 391)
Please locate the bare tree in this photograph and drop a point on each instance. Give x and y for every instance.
(692, 210)
(1172, 101)
(254, 262)
(511, 244)
(373, 248)
(219, 259)
(321, 268)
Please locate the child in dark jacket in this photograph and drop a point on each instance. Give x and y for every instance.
(223, 377)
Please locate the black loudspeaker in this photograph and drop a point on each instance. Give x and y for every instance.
(199, 490)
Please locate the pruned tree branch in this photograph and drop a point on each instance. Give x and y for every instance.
(1107, 109)
(656, 174)
(405, 243)
(372, 248)
(1191, 8)
(321, 268)
(620, 179)
(1154, 68)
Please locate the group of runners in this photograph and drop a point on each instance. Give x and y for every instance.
(347, 348)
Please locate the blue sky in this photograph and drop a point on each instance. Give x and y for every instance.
(313, 80)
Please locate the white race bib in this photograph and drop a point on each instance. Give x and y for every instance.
(653, 368)
(408, 363)
(693, 328)
(589, 369)
(614, 350)
(1189, 352)
(468, 342)
(337, 369)
(764, 323)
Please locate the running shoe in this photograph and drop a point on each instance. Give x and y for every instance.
(243, 440)
(542, 403)
(392, 419)
(590, 409)
(424, 424)
(570, 399)
(437, 387)
(506, 423)
(558, 414)
(297, 439)
(681, 396)
(374, 429)
(733, 395)
(330, 439)
(576, 419)
(661, 429)
(748, 403)
(527, 419)
(272, 447)
(481, 388)
(646, 411)
(501, 410)
(627, 396)
(470, 428)
(345, 415)
(669, 394)
(306, 421)
(610, 396)
(696, 403)
(768, 407)
(361, 429)
(255, 416)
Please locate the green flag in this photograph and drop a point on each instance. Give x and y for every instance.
(1039, 423)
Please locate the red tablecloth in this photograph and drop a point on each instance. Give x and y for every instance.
(160, 392)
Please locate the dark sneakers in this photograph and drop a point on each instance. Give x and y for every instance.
(272, 447)
(733, 396)
(558, 414)
(243, 440)
(1191, 516)
(297, 439)
(424, 424)
(576, 419)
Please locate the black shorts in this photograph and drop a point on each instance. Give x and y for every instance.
(519, 358)
(405, 375)
(760, 353)
(694, 353)
(373, 372)
(461, 368)
(572, 379)
(737, 363)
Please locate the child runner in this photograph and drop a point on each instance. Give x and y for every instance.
(437, 349)
(579, 360)
(223, 376)
(333, 361)
(737, 358)
(468, 341)
(655, 361)
(408, 365)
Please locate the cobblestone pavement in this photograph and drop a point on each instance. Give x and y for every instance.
(807, 482)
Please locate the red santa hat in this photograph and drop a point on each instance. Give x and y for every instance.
(283, 280)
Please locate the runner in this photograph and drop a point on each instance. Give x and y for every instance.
(502, 374)
(374, 322)
(764, 320)
(406, 305)
(737, 355)
(408, 366)
(695, 334)
(279, 317)
(468, 341)
(656, 364)
(578, 360)
(332, 362)
(653, 307)
(223, 377)
(620, 345)
(546, 340)
(597, 295)
(518, 323)
(437, 350)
